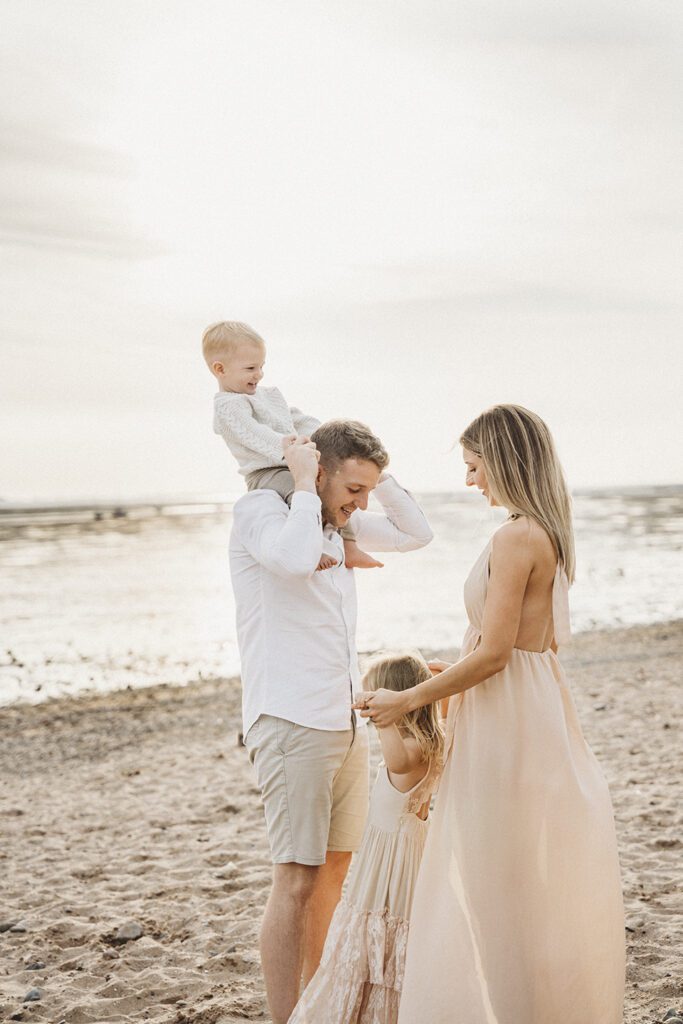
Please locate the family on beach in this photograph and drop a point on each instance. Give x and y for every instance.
(485, 887)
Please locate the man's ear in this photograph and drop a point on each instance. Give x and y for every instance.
(322, 476)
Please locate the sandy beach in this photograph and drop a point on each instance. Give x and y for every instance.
(138, 808)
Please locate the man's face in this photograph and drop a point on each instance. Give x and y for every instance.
(345, 488)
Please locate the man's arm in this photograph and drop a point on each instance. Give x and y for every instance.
(401, 526)
(286, 541)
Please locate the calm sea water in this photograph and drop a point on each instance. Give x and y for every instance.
(136, 601)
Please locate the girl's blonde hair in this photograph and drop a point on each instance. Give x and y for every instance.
(401, 670)
(524, 472)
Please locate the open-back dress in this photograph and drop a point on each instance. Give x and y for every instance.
(518, 914)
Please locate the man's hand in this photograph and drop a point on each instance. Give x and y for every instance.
(301, 455)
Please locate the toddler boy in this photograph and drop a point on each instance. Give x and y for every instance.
(256, 422)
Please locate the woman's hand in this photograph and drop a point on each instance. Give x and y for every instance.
(383, 707)
(437, 666)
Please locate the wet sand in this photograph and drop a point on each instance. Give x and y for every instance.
(138, 807)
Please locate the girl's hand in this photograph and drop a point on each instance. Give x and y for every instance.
(383, 707)
(437, 666)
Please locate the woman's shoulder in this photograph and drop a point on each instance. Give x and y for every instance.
(522, 538)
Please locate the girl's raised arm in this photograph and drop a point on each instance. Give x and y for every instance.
(401, 755)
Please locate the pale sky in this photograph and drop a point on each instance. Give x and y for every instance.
(425, 207)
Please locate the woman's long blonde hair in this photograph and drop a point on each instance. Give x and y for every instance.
(401, 670)
(524, 472)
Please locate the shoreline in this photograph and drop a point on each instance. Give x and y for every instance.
(87, 698)
(137, 805)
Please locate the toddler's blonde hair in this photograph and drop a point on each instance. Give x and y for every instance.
(220, 339)
(399, 671)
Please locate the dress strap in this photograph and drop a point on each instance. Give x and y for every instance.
(561, 622)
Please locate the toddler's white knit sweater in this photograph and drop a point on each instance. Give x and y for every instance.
(253, 426)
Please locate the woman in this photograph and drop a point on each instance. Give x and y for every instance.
(518, 913)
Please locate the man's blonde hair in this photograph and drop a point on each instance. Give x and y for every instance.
(220, 339)
(339, 440)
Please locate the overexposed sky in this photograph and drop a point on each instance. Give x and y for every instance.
(425, 207)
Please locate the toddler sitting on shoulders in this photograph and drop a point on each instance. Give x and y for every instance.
(257, 424)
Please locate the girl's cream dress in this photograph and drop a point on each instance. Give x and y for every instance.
(361, 972)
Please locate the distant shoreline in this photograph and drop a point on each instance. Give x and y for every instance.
(86, 699)
(22, 513)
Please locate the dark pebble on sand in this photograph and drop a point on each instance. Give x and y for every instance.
(6, 926)
(37, 965)
(599, 707)
(672, 1015)
(19, 1015)
(33, 995)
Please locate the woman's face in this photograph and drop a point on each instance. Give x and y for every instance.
(476, 474)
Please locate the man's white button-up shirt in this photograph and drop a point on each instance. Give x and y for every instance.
(296, 628)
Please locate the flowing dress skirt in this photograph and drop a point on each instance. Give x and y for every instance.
(517, 916)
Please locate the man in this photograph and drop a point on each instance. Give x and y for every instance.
(296, 633)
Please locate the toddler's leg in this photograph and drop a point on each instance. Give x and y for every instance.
(355, 557)
(273, 478)
(327, 562)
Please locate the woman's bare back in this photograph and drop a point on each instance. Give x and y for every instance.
(535, 631)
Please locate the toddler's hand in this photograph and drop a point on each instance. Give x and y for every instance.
(287, 440)
(437, 666)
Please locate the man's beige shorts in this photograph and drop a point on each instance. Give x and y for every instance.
(314, 786)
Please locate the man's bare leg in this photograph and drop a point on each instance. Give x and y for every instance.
(282, 936)
(325, 897)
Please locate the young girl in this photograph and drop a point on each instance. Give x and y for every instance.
(518, 913)
(361, 971)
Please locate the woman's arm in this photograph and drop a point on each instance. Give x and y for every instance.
(510, 567)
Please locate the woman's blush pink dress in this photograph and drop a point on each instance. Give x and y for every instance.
(517, 915)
